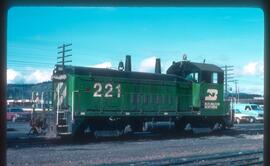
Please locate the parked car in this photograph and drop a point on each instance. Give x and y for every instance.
(17, 114)
(253, 110)
(242, 116)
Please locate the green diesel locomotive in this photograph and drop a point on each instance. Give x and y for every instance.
(93, 99)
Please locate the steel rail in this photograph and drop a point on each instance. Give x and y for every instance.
(206, 160)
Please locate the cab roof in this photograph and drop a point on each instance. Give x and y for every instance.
(184, 66)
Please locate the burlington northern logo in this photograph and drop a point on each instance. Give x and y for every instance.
(212, 95)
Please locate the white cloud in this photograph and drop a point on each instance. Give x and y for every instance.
(30, 76)
(261, 68)
(252, 69)
(38, 76)
(250, 77)
(107, 65)
(148, 64)
(12, 75)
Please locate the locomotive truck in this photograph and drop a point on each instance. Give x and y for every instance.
(189, 94)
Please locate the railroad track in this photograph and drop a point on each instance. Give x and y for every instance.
(34, 141)
(234, 158)
(45, 141)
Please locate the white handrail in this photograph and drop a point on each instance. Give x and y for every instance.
(72, 106)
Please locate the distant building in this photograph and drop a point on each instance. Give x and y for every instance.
(24, 91)
(23, 95)
(247, 98)
(19, 91)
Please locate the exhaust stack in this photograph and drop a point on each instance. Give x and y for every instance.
(128, 63)
(158, 66)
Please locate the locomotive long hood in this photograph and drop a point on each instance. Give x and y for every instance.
(121, 74)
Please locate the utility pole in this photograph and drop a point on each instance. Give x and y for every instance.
(236, 90)
(42, 101)
(228, 77)
(63, 56)
(33, 116)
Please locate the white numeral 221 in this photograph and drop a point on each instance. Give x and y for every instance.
(108, 87)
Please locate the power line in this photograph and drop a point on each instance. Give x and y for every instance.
(33, 62)
(33, 48)
(31, 70)
(26, 54)
(29, 65)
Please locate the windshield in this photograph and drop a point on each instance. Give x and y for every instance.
(237, 111)
(255, 107)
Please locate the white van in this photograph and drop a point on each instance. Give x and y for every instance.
(252, 109)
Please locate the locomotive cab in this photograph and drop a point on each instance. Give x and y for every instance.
(207, 84)
(206, 89)
(197, 72)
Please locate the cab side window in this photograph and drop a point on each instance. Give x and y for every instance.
(247, 108)
(207, 77)
(193, 76)
(214, 78)
(196, 77)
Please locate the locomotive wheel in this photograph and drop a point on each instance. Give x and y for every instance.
(215, 127)
(237, 120)
(218, 126)
(181, 125)
(79, 131)
(78, 134)
(127, 129)
(188, 128)
(223, 125)
(136, 127)
(14, 119)
(251, 120)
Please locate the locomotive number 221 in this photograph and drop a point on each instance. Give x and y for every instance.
(108, 90)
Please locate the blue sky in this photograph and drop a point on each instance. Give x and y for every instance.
(103, 36)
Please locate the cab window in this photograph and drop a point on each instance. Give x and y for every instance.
(193, 76)
(215, 78)
(206, 77)
(211, 77)
(196, 77)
